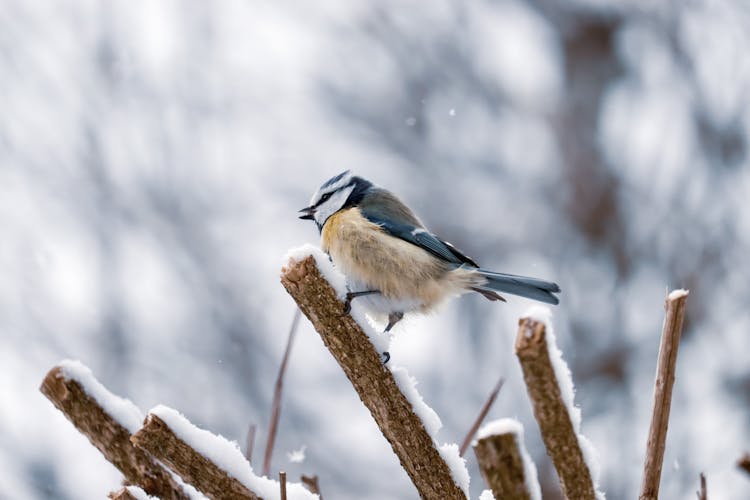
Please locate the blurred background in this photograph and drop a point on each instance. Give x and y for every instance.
(153, 156)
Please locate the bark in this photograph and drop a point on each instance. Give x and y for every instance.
(550, 411)
(109, 437)
(502, 468)
(162, 443)
(371, 379)
(665, 376)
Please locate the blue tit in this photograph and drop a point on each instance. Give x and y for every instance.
(392, 261)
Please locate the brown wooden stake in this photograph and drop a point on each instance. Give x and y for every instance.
(665, 376)
(744, 463)
(162, 443)
(312, 484)
(502, 467)
(109, 436)
(702, 493)
(372, 380)
(276, 409)
(480, 418)
(282, 484)
(550, 411)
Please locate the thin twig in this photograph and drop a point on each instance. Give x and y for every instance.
(276, 410)
(312, 484)
(702, 493)
(665, 376)
(480, 418)
(744, 462)
(250, 442)
(373, 381)
(282, 484)
(551, 413)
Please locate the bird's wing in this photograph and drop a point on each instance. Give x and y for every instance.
(418, 235)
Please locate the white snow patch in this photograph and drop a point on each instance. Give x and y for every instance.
(138, 493)
(297, 456)
(122, 410)
(677, 294)
(514, 427)
(567, 391)
(226, 455)
(486, 495)
(408, 386)
(457, 465)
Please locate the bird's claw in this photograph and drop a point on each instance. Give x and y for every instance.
(386, 357)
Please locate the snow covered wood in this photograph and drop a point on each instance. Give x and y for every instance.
(504, 463)
(553, 409)
(373, 381)
(69, 390)
(130, 493)
(665, 376)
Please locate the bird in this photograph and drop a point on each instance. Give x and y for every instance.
(392, 261)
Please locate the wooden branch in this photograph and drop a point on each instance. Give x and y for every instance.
(162, 443)
(109, 436)
(480, 418)
(502, 467)
(282, 485)
(276, 409)
(250, 442)
(665, 376)
(371, 379)
(550, 411)
(702, 493)
(744, 463)
(312, 484)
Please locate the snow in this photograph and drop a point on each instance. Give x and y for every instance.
(408, 386)
(457, 464)
(514, 427)
(486, 495)
(226, 455)
(120, 409)
(297, 456)
(677, 294)
(138, 493)
(567, 391)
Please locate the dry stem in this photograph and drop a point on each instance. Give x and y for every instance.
(480, 418)
(502, 467)
(276, 410)
(702, 493)
(744, 462)
(665, 376)
(161, 442)
(311, 483)
(373, 382)
(250, 442)
(550, 411)
(108, 436)
(282, 484)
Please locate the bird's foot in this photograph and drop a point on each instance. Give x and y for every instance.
(353, 295)
(393, 318)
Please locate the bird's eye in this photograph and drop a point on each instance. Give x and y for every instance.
(325, 197)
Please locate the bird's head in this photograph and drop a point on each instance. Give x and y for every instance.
(342, 191)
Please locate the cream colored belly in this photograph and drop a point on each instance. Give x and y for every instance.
(407, 277)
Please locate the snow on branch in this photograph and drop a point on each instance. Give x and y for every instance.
(130, 493)
(107, 421)
(550, 388)
(665, 375)
(404, 419)
(214, 466)
(504, 463)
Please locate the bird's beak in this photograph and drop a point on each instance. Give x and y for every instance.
(308, 213)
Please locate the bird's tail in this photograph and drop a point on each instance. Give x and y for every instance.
(531, 288)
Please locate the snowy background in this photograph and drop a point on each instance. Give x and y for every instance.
(153, 156)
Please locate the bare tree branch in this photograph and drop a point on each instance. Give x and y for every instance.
(282, 485)
(312, 484)
(276, 410)
(744, 462)
(551, 414)
(126, 493)
(371, 379)
(502, 467)
(702, 493)
(109, 436)
(250, 442)
(665, 376)
(480, 418)
(162, 443)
